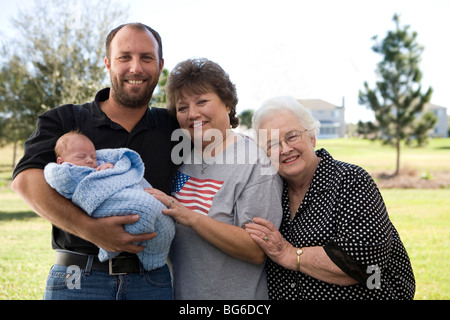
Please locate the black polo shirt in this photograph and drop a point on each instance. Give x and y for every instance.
(151, 138)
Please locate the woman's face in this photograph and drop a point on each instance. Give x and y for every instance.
(199, 113)
(289, 146)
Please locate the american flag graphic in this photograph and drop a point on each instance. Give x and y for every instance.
(195, 194)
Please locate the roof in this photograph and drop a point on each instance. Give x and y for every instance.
(317, 104)
(431, 106)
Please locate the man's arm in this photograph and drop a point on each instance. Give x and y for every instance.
(107, 233)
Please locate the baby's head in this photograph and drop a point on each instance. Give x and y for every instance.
(76, 148)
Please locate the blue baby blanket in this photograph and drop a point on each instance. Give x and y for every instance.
(117, 191)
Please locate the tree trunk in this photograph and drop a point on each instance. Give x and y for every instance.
(397, 168)
(14, 162)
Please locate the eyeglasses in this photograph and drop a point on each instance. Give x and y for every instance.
(290, 139)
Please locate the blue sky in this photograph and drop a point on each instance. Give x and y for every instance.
(317, 49)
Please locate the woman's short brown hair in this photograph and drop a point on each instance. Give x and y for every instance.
(198, 76)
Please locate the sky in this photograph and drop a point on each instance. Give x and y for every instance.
(317, 49)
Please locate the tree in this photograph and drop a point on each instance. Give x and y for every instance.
(57, 57)
(159, 98)
(397, 99)
(17, 98)
(245, 118)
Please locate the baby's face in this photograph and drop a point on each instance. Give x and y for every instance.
(80, 152)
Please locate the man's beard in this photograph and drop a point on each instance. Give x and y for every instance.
(132, 101)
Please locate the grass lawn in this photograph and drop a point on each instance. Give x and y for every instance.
(25, 250)
(372, 156)
(421, 216)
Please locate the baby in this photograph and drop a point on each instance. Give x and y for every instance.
(111, 182)
(77, 149)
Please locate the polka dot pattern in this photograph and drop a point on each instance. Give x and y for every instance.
(343, 207)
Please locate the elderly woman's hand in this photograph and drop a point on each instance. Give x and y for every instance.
(266, 235)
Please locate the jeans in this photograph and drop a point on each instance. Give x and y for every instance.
(69, 283)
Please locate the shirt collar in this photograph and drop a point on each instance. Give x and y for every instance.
(99, 118)
(325, 169)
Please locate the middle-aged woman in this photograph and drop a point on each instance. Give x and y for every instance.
(223, 183)
(336, 240)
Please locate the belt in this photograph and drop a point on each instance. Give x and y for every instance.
(116, 266)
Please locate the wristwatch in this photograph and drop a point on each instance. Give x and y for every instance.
(299, 253)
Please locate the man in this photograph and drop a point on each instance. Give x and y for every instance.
(118, 117)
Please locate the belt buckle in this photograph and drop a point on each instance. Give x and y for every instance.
(111, 271)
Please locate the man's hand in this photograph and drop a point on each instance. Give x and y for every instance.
(108, 233)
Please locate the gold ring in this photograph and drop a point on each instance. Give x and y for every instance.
(266, 238)
(171, 203)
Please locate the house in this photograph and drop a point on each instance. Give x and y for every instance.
(441, 127)
(330, 116)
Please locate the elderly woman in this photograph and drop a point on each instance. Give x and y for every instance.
(222, 185)
(336, 240)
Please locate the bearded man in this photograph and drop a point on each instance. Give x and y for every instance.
(119, 117)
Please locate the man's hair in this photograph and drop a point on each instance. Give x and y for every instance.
(136, 26)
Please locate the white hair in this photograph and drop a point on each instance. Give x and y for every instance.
(286, 104)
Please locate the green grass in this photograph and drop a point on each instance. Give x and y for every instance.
(25, 250)
(372, 156)
(422, 218)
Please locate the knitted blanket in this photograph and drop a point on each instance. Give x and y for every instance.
(117, 191)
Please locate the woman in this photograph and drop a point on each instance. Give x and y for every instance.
(336, 240)
(220, 187)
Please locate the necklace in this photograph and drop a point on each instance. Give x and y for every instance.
(207, 164)
(204, 168)
(218, 152)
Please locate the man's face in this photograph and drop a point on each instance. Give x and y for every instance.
(134, 67)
